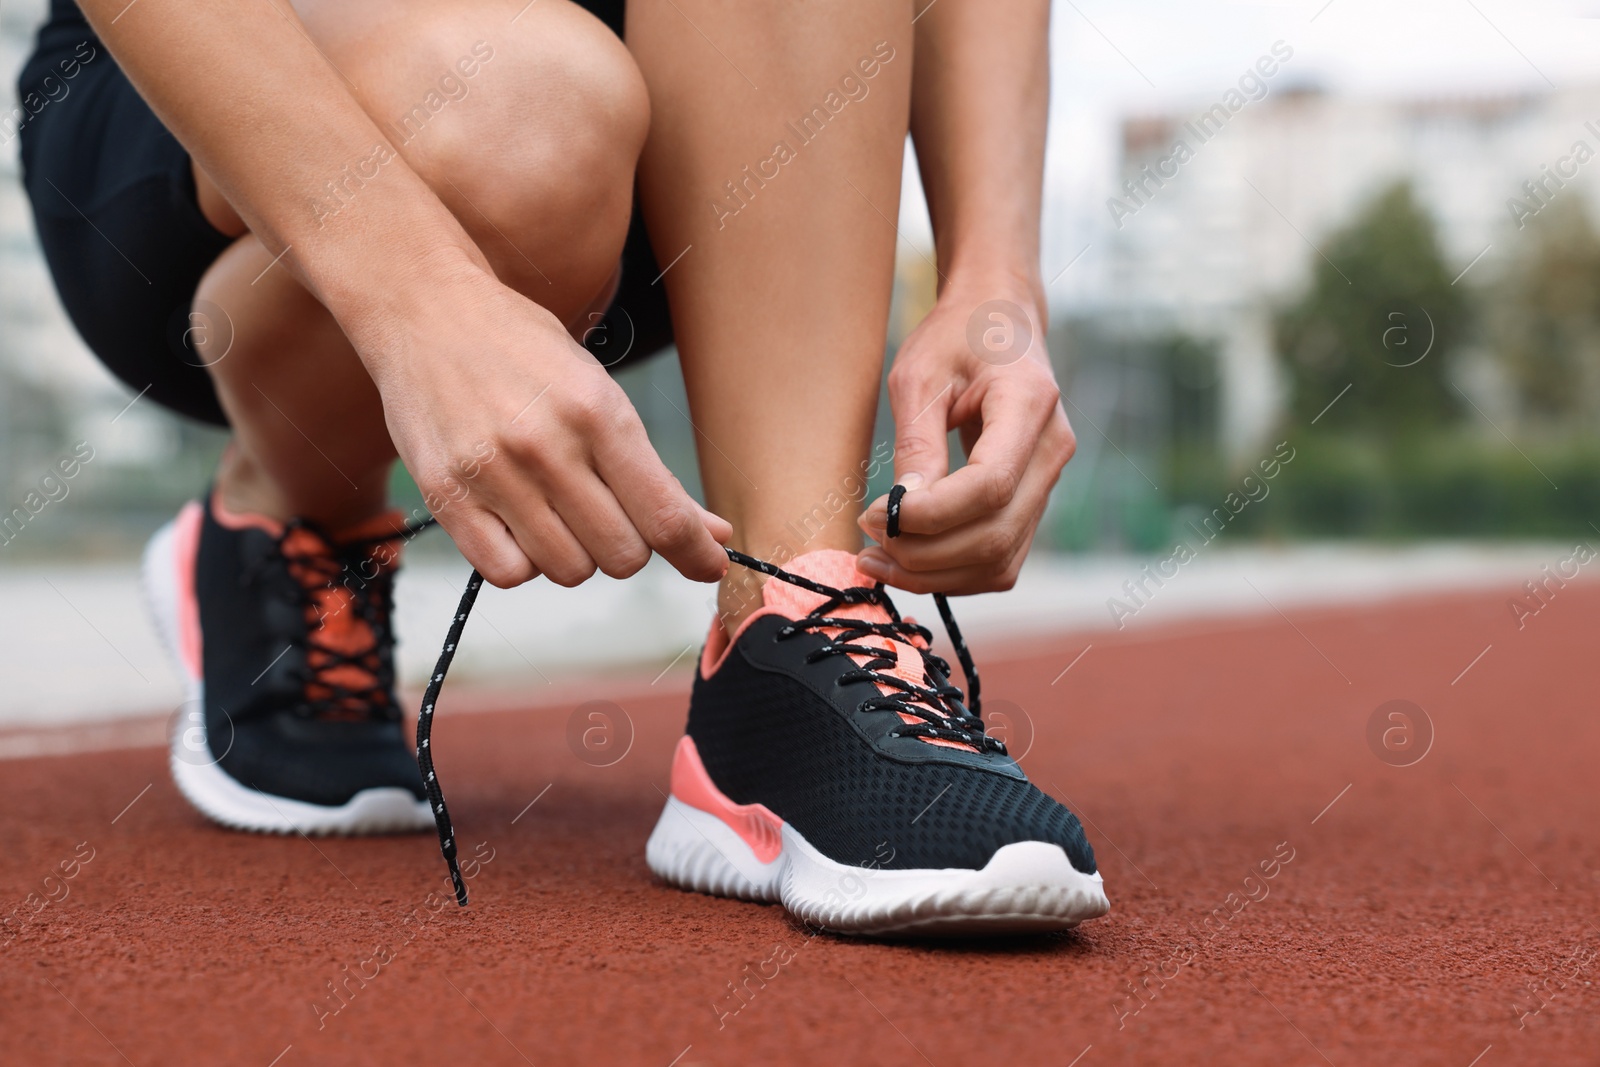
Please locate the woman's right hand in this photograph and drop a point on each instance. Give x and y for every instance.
(524, 448)
(538, 460)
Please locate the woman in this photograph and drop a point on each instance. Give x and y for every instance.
(352, 231)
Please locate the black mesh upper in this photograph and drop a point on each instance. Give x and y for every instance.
(766, 738)
(253, 633)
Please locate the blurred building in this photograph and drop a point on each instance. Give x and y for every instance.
(1208, 240)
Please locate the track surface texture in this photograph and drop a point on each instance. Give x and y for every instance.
(1438, 913)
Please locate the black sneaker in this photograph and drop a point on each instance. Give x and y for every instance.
(830, 765)
(285, 642)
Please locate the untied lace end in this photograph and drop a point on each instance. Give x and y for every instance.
(430, 698)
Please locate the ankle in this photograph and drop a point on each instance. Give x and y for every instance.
(244, 485)
(738, 597)
(740, 594)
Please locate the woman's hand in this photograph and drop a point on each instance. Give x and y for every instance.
(534, 457)
(524, 448)
(977, 363)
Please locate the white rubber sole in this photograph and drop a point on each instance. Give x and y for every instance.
(212, 791)
(1026, 887)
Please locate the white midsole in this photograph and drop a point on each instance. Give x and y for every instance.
(1027, 886)
(212, 790)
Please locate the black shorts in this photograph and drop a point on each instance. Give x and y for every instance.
(114, 200)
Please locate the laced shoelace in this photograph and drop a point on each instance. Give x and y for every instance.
(328, 669)
(939, 707)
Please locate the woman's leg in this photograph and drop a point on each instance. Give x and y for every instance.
(773, 170)
(533, 151)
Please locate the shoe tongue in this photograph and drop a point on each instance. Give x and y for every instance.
(838, 569)
(380, 557)
(827, 566)
(336, 619)
(382, 524)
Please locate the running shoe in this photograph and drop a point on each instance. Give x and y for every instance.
(283, 635)
(830, 765)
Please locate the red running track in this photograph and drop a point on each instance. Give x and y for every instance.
(1437, 913)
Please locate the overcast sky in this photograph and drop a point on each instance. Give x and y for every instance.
(1113, 57)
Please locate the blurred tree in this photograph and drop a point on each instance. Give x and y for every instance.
(1380, 317)
(1187, 366)
(1544, 316)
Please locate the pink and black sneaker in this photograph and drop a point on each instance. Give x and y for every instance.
(283, 634)
(830, 765)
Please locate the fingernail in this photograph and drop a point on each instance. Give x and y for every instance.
(912, 480)
(872, 566)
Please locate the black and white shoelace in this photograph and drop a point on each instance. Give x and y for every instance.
(940, 708)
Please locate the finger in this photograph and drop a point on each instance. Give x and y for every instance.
(953, 581)
(488, 546)
(921, 442)
(991, 541)
(545, 538)
(668, 519)
(921, 436)
(978, 544)
(589, 511)
(721, 529)
(604, 530)
(1014, 414)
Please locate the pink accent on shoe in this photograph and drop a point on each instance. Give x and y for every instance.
(838, 569)
(242, 520)
(386, 523)
(828, 566)
(755, 824)
(185, 549)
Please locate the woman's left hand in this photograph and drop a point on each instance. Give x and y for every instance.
(977, 364)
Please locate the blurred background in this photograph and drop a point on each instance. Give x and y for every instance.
(1360, 234)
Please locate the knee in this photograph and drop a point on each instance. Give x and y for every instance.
(557, 118)
(544, 157)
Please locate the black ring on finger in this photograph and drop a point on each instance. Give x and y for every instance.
(891, 526)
